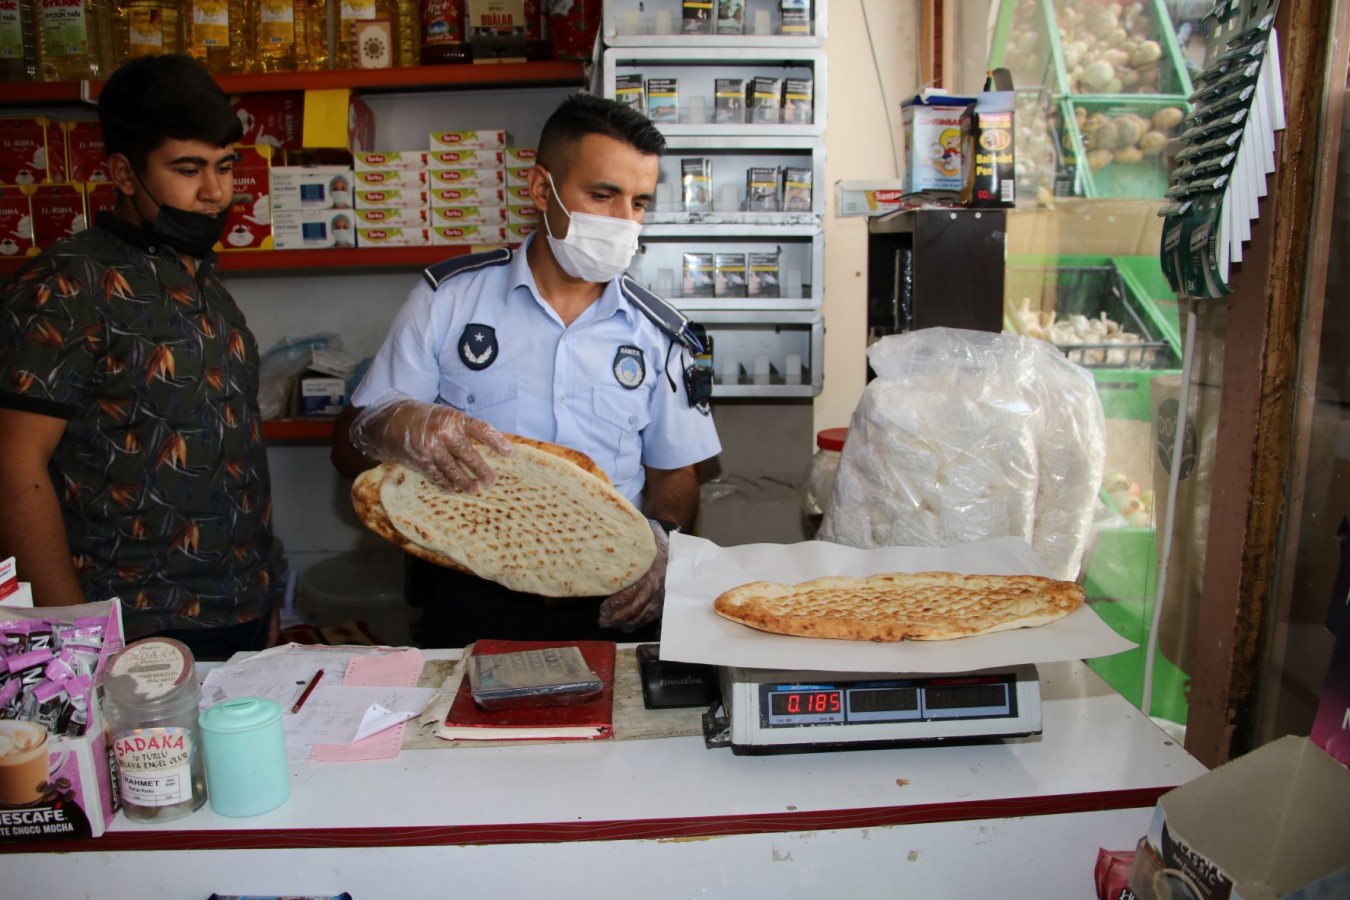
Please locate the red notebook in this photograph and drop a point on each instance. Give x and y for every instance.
(589, 721)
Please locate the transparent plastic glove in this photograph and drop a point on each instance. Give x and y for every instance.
(435, 440)
(641, 601)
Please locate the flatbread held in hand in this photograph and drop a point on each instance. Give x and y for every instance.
(547, 526)
(921, 606)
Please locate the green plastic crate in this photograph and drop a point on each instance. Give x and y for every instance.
(1145, 177)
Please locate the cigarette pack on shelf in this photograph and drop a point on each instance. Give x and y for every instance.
(763, 275)
(730, 280)
(629, 90)
(730, 17)
(699, 275)
(797, 101)
(764, 100)
(761, 189)
(696, 178)
(796, 190)
(729, 101)
(57, 777)
(663, 99)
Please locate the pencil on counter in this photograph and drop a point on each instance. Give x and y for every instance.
(309, 689)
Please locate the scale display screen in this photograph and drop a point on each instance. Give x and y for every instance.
(900, 700)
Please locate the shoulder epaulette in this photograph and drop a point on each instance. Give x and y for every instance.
(665, 316)
(437, 274)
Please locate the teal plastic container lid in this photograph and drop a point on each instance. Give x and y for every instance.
(240, 714)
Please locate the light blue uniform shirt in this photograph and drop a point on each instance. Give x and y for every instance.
(486, 343)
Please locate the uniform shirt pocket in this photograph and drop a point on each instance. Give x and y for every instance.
(491, 398)
(622, 414)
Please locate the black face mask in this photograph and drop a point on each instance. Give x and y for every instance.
(187, 232)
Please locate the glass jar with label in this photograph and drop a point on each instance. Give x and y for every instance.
(150, 698)
(819, 478)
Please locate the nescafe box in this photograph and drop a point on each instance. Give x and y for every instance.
(58, 212)
(16, 223)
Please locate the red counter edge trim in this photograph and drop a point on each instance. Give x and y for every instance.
(618, 830)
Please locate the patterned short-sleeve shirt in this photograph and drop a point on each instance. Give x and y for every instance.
(161, 472)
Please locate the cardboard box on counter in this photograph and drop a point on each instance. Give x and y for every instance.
(1271, 824)
(60, 779)
(521, 157)
(321, 389)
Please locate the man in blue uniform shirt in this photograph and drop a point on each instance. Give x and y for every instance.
(552, 342)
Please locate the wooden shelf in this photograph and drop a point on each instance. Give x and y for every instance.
(560, 73)
(319, 431)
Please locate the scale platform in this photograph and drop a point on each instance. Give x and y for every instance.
(780, 711)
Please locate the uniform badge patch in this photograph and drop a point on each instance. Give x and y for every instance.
(478, 346)
(630, 368)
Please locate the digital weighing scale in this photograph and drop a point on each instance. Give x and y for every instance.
(781, 711)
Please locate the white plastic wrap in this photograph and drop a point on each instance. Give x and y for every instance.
(967, 435)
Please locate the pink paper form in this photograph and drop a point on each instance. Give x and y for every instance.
(398, 669)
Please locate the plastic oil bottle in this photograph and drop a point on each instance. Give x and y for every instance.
(403, 18)
(148, 28)
(18, 48)
(292, 35)
(74, 39)
(218, 34)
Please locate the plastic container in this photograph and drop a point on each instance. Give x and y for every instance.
(150, 697)
(364, 585)
(245, 748)
(820, 472)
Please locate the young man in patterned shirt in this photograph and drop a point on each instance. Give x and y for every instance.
(132, 463)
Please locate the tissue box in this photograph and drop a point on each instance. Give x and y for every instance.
(321, 395)
(1269, 824)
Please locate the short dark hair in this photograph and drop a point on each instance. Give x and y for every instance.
(583, 114)
(152, 99)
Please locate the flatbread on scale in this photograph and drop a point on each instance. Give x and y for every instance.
(551, 524)
(920, 606)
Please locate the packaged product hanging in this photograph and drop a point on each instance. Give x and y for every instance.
(150, 696)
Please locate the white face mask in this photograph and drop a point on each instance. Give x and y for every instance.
(597, 248)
